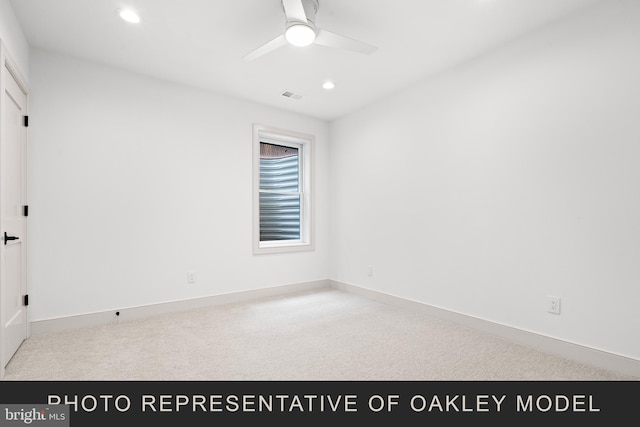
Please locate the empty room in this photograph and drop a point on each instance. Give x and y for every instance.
(319, 190)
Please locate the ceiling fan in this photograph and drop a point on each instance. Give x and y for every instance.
(301, 30)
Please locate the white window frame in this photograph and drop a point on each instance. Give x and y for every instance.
(305, 144)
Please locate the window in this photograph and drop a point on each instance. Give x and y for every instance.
(282, 191)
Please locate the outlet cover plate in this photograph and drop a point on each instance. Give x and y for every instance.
(191, 277)
(553, 304)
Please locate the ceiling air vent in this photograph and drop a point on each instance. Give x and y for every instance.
(288, 94)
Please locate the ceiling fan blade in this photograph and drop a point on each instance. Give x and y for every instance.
(327, 38)
(294, 10)
(266, 48)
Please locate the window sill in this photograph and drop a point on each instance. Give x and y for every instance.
(279, 247)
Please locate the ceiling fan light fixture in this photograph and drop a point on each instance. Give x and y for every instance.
(300, 34)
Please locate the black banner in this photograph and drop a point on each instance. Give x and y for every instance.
(207, 403)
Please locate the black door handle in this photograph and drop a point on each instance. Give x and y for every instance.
(7, 238)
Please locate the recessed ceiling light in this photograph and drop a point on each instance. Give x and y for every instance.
(129, 15)
(328, 85)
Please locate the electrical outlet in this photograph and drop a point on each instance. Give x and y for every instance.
(191, 277)
(553, 305)
(370, 271)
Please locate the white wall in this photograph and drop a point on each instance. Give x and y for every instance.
(134, 181)
(512, 177)
(12, 36)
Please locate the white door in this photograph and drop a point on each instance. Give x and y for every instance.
(13, 224)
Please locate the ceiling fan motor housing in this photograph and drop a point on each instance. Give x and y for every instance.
(300, 29)
(310, 10)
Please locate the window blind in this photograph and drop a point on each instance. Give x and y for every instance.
(279, 195)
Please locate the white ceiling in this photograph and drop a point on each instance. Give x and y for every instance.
(201, 42)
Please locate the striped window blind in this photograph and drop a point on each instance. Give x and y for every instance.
(280, 192)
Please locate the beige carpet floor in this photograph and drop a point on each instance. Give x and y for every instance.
(323, 335)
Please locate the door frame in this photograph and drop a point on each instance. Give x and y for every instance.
(11, 70)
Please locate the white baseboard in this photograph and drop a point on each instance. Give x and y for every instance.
(589, 356)
(131, 313)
